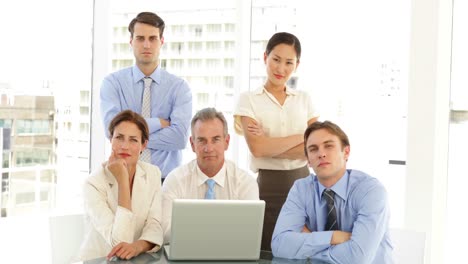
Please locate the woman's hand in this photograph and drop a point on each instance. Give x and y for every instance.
(255, 129)
(118, 168)
(124, 250)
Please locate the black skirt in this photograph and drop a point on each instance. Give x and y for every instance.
(274, 187)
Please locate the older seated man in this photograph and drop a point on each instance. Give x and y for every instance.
(210, 175)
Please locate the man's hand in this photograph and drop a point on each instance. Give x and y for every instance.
(124, 250)
(164, 123)
(305, 230)
(339, 237)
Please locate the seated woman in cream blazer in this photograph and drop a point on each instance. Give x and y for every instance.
(122, 198)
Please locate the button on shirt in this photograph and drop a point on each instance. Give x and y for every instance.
(171, 99)
(362, 208)
(277, 121)
(188, 182)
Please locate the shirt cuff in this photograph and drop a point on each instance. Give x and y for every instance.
(153, 124)
(156, 248)
(322, 238)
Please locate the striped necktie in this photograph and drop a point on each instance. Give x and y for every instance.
(146, 113)
(332, 223)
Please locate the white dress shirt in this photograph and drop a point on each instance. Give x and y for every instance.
(109, 224)
(188, 182)
(277, 121)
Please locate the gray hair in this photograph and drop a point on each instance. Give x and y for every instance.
(209, 113)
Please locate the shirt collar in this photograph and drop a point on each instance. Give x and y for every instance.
(138, 75)
(289, 91)
(340, 188)
(219, 178)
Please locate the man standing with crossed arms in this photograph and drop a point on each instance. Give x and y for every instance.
(164, 99)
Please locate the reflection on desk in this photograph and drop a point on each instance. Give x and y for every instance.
(160, 258)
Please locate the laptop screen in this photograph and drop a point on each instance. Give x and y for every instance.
(216, 229)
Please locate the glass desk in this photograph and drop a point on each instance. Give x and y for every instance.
(160, 258)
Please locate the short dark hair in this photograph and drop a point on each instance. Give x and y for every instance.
(147, 18)
(209, 113)
(132, 117)
(331, 128)
(284, 38)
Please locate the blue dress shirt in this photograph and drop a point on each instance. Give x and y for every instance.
(171, 99)
(362, 208)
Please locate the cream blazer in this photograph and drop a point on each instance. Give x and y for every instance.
(108, 224)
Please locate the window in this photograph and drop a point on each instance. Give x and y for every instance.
(213, 28)
(32, 127)
(229, 27)
(228, 64)
(121, 48)
(292, 82)
(32, 157)
(84, 111)
(49, 119)
(194, 63)
(229, 82)
(350, 57)
(458, 142)
(213, 46)
(195, 47)
(176, 64)
(196, 30)
(121, 63)
(177, 30)
(214, 81)
(41, 112)
(163, 63)
(203, 98)
(229, 45)
(212, 63)
(177, 47)
(84, 97)
(5, 123)
(84, 130)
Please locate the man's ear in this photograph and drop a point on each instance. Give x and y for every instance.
(227, 139)
(347, 150)
(191, 144)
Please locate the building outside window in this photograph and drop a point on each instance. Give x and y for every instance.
(41, 111)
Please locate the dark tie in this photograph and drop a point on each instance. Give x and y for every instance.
(332, 223)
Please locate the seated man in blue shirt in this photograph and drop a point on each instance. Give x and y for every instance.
(163, 99)
(337, 215)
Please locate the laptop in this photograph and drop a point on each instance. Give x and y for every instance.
(215, 229)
